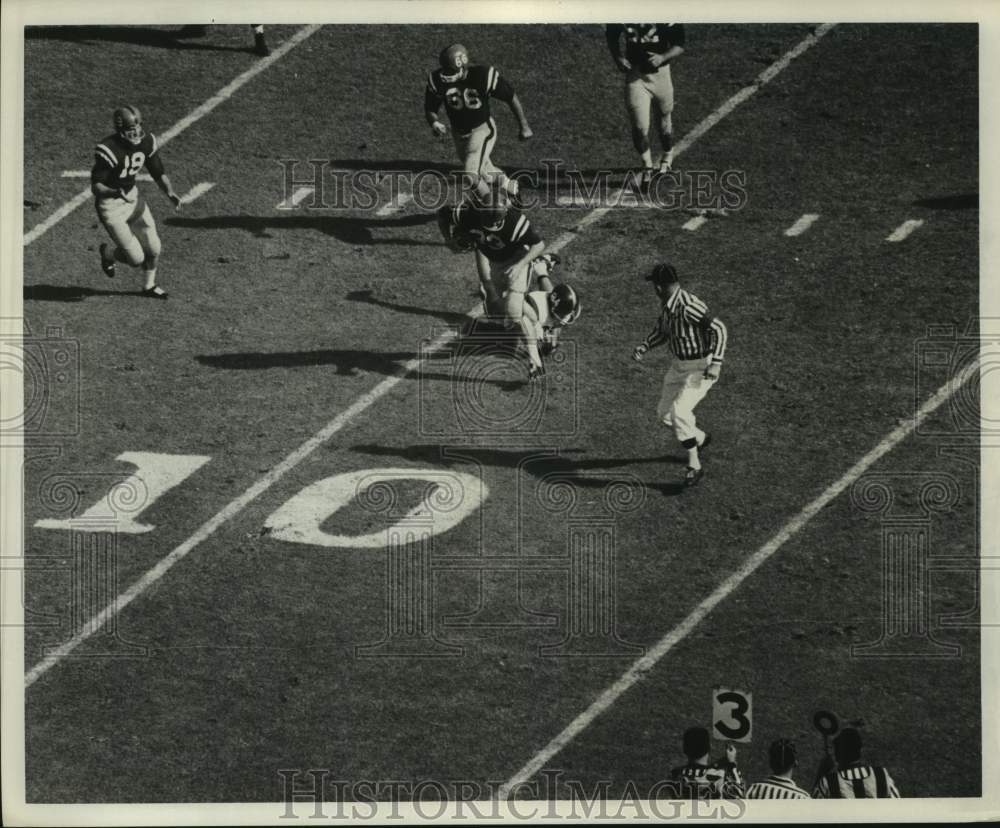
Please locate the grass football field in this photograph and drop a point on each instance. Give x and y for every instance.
(303, 344)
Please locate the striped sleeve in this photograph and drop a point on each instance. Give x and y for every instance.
(694, 309)
(520, 229)
(104, 155)
(156, 145)
(893, 790)
(492, 77)
(719, 340)
(431, 88)
(658, 335)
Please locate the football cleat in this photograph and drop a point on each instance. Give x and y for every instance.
(128, 124)
(693, 477)
(667, 162)
(564, 304)
(107, 260)
(155, 292)
(454, 62)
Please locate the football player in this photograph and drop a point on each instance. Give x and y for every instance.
(648, 51)
(465, 90)
(551, 307)
(122, 210)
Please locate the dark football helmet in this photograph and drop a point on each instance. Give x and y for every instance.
(128, 124)
(454, 61)
(564, 304)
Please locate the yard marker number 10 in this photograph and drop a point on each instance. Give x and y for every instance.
(448, 499)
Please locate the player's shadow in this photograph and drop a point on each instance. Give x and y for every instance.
(575, 469)
(356, 230)
(368, 297)
(69, 293)
(962, 201)
(135, 35)
(348, 363)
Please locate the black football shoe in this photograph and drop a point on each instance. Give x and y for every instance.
(155, 292)
(107, 260)
(693, 477)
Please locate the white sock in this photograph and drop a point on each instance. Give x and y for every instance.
(647, 158)
(693, 461)
(150, 278)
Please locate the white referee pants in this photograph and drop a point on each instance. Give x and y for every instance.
(684, 386)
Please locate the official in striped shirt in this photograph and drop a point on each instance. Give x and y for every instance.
(701, 778)
(779, 785)
(853, 777)
(697, 340)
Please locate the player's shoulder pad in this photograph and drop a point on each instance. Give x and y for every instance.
(107, 150)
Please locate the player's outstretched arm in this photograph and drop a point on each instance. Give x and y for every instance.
(518, 110)
(163, 182)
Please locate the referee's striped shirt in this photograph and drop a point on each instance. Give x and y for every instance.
(776, 787)
(690, 330)
(856, 782)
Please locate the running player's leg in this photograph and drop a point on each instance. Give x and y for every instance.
(638, 100)
(664, 94)
(145, 231)
(114, 215)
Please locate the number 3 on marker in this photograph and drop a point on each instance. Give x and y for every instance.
(732, 714)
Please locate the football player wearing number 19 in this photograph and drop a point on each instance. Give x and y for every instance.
(122, 210)
(465, 90)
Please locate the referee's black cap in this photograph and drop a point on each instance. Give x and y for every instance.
(696, 742)
(663, 274)
(782, 755)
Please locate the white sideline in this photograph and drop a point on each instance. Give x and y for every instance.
(197, 191)
(693, 224)
(188, 120)
(293, 200)
(367, 400)
(642, 665)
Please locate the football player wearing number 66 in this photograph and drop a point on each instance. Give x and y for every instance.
(465, 90)
(118, 159)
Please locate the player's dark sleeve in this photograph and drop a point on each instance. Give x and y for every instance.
(101, 173)
(613, 33)
(154, 165)
(503, 90)
(676, 32)
(432, 101)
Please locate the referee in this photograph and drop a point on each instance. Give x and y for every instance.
(698, 343)
(779, 785)
(853, 777)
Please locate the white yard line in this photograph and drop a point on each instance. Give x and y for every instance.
(395, 206)
(188, 120)
(197, 191)
(802, 224)
(293, 200)
(364, 402)
(741, 97)
(694, 223)
(904, 230)
(643, 665)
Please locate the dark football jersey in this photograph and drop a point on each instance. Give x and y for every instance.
(644, 39)
(510, 241)
(118, 161)
(467, 100)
